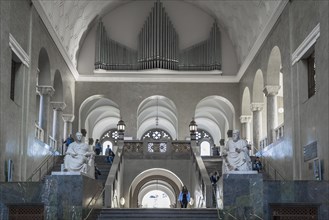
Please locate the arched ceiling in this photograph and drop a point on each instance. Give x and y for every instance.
(247, 23)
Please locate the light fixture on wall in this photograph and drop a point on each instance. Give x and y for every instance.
(193, 129)
(121, 127)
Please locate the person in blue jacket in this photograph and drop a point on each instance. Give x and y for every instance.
(184, 197)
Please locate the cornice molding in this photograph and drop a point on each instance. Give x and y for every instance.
(307, 43)
(158, 75)
(19, 51)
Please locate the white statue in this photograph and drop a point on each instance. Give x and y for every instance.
(79, 157)
(235, 154)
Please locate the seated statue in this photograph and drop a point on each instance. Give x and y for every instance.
(235, 154)
(79, 157)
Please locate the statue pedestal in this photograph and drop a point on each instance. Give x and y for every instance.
(66, 173)
(241, 193)
(66, 194)
(242, 172)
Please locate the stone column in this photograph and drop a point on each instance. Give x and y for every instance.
(245, 122)
(45, 92)
(270, 92)
(68, 119)
(256, 109)
(58, 108)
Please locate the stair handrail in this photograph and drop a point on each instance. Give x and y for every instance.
(267, 163)
(214, 192)
(89, 204)
(39, 168)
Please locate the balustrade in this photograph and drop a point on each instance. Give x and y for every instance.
(52, 143)
(279, 132)
(39, 133)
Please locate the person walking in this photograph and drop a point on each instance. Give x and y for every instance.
(184, 197)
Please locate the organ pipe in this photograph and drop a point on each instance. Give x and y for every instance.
(158, 47)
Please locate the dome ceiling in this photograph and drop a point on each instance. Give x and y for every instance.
(246, 23)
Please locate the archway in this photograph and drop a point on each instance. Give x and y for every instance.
(258, 109)
(157, 112)
(151, 179)
(246, 115)
(272, 90)
(216, 115)
(98, 115)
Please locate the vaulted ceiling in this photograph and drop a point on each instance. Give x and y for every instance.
(246, 22)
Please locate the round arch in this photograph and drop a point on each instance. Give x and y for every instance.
(157, 112)
(274, 67)
(246, 115)
(58, 87)
(259, 101)
(169, 180)
(98, 114)
(274, 83)
(216, 115)
(44, 76)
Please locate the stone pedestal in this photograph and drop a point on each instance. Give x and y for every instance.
(241, 194)
(67, 196)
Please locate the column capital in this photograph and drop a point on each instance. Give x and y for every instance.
(245, 119)
(271, 90)
(46, 90)
(60, 106)
(256, 106)
(68, 117)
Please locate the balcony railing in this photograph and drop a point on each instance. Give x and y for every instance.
(39, 133)
(278, 132)
(52, 143)
(263, 143)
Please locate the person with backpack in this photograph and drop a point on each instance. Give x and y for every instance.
(184, 197)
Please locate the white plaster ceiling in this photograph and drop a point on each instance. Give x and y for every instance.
(247, 22)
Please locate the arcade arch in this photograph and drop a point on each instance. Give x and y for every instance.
(151, 179)
(157, 112)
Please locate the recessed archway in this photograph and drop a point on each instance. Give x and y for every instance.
(157, 112)
(152, 179)
(97, 115)
(216, 115)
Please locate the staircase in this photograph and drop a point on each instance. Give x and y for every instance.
(212, 164)
(157, 213)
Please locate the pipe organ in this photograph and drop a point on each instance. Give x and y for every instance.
(158, 47)
(111, 55)
(203, 56)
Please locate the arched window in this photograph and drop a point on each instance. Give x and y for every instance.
(109, 138)
(205, 141)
